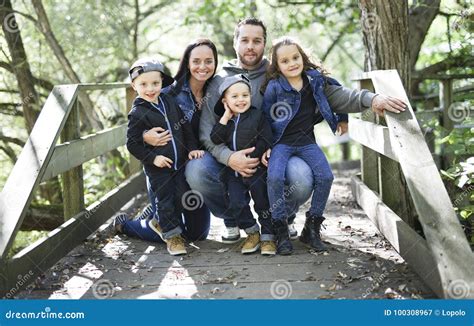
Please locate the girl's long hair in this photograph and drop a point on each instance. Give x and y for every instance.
(273, 72)
(183, 73)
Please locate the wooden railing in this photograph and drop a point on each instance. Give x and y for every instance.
(42, 159)
(443, 259)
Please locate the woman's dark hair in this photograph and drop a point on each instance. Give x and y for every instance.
(183, 73)
(273, 71)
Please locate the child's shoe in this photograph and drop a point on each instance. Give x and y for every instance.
(284, 246)
(251, 243)
(176, 246)
(146, 214)
(232, 235)
(268, 248)
(311, 234)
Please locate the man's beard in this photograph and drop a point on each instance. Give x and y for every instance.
(250, 63)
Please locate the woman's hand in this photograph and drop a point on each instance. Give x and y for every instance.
(266, 157)
(157, 136)
(195, 154)
(162, 161)
(342, 128)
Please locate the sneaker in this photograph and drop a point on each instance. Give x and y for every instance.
(156, 227)
(176, 246)
(292, 231)
(232, 235)
(268, 248)
(251, 243)
(146, 214)
(119, 221)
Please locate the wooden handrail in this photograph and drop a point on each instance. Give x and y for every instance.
(41, 159)
(444, 236)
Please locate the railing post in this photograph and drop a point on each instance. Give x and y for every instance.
(72, 180)
(369, 160)
(445, 101)
(130, 95)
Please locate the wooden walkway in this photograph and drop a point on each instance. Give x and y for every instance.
(359, 264)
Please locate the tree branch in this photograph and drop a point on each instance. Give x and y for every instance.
(13, 140)
(446, 64)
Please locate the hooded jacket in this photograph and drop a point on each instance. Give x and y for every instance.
(208, 118)
(144, 116)
(248, 129)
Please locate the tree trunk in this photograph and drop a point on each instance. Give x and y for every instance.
(20, 65)
(385, 33)
(30, 99)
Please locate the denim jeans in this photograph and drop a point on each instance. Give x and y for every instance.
(203, 176)
(238, 189)
(168, 187)
(322, 178)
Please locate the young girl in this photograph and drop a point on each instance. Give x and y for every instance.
(294, 101)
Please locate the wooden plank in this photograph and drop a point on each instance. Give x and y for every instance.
(369, 158)
(372, 136)
(32, 161)
(101, 86)
(409, 244)
(38, 257)
(72, 180)
(74, 153)
(444, 235)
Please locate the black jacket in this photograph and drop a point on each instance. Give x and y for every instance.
(252, 129)
(143, 116)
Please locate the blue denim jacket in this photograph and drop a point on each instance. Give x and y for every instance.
(184, 99)
(281, 102)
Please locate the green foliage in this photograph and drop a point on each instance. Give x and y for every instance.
(459, 177)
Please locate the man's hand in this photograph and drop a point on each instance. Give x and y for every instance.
(239, 162)
(195, 154)
(157, 136)
(266, 157)
(380, 103)
(342, 128)
(162, 161)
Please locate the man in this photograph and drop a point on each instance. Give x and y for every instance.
(203, 174)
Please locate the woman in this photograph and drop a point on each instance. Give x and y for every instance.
(197, 67)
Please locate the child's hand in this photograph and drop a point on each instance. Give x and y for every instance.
(228, 114)
(162, 161)
(266, 156)
(342, 128)
(195, 154)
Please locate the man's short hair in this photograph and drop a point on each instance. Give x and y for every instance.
(250, 21)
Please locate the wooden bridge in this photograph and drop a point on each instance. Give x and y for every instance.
(374, 253)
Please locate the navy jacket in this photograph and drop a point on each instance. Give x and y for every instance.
(144, 116)
(245, 130)
(281, 102)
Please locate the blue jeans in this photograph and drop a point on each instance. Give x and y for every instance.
(195, 221)
(238, 189)
(321, 177)
(203, 176)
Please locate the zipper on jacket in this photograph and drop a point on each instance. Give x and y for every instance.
(234, 136)
(175, 162)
